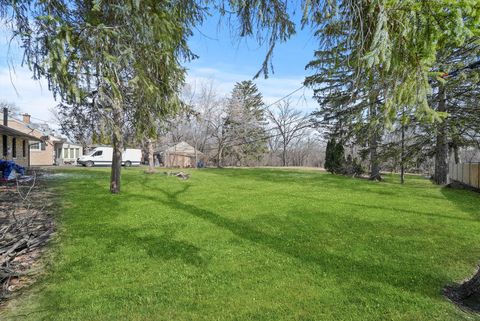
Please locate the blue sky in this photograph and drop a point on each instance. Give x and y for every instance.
(227, 59)
(223, 60)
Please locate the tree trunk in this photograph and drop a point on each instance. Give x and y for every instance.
(284, 155)
(373, 144)
(455, 154)
(374, 163)
(117, 139)
(441, 148)
(402, 156)
(220, 157)
(151, 160)
(196, 154)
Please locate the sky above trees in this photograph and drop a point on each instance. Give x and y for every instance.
(223, 59)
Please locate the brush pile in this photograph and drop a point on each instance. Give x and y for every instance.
(25, 227)
(181, 175)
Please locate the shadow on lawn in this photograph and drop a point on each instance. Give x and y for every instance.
(163, 247)
(387, 188)
(300, 247)
(465, 200)
(475, 215)
(114, 238)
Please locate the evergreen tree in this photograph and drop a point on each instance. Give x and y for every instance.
(328, 155)
(349, 106)
(456, 98)
(125, 52)
(397, 42)
(245, 123)
(334, 157)
(338, 158)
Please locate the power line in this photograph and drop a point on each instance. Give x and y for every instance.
(284, 97)
(42, 120)
(264, 138)
(289, 94)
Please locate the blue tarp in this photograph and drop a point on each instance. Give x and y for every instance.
(9, 169)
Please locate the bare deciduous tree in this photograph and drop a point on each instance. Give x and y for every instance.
(289, 124)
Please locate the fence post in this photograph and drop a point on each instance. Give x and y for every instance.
(478, 175)
(470, 181)
(467, 178)
(463, 169)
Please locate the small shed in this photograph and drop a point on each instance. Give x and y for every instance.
(179, 155)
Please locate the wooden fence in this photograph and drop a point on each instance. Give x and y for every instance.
(468, 174)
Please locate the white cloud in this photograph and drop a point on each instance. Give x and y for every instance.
(31, 96)
(272, 89)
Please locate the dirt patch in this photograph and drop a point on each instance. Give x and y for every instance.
(26, 226)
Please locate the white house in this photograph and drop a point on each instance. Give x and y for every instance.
(67, 153)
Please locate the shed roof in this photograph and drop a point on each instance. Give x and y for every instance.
(5, 130)
(182, 148)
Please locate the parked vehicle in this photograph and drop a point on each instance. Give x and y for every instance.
(102, 156)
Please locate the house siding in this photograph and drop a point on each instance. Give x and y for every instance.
(61, 159)
(42, 157)
(19, 159)
(180, 155)
(176, 160)
(37, 157)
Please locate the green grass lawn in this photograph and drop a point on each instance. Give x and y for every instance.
(256, 244)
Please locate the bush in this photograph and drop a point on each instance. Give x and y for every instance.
(334, 157)
(352, 167)
(336, 163)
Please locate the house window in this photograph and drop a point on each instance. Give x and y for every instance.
(65, 153)
(14, 147)
(72, 152)
(24, 148)
(35, 146)
(4, 145)
(43, 145)
(77, 152)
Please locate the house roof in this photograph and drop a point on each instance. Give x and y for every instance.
(40, 129)
(65, 142)
(182, 148)
(4, 130)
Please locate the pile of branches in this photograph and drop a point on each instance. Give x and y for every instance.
(25, 227)
(181, 175)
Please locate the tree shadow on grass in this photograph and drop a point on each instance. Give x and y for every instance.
(158, 243)
(118, 250)
(163, 247)
(475, 216)
(94, 213)
(468, 202)
(465, 200)
(328, 181)
(287, 243)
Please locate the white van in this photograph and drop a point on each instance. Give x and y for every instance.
(102, 156)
